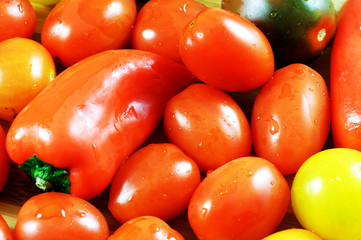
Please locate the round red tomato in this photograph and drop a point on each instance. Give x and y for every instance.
(76, 29)
(226, 51)
(159, 26)
(291, 117)
(157, 180)
(4, 160)
(245, 199)
(17, 18)
(53, 216)
(5, 232)
(145, 227)
(208, 125)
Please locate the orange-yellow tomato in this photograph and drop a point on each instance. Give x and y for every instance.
(26, 67)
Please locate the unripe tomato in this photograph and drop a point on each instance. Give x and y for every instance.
(326, 194)
(26, 67)
(293, 234)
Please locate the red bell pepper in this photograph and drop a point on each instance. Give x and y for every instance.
(74, 135)
(345, 78)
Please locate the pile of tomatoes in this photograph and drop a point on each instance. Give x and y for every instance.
(173, 106)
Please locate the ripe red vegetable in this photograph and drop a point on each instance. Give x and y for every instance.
(75, 29)
(345, 78)
(105, 108)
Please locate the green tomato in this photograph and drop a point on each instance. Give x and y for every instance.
(326, 194)
(45, 2)
(293, 234)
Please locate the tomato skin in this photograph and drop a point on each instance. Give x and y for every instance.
(145, 227)
(159, 26)
(208, 125)
(4, 160)
(157, 180)
(55, 216)
(246, 198)
(76, 29)
(18, 88)
(230, 54)
(18, 19)
(345, 79)
(290, 109)
(326, 194)
(293, 234)
(5, 231)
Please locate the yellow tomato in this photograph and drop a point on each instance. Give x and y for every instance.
(293, 234)
(326, 194)
(26, 67)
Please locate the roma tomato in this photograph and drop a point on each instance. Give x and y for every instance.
(293, 234)
(208, 125)
(157, 180)
(60, 216)
(291, 117)
(145, 227)
(5, 231)
(326, 194)
(17, 18)
(230, 53)
(26, 67)
(246, 198)
(345, 78)
(160, 24)
(76, 29)
(4, 160)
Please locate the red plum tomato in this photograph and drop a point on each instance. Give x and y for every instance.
(208, 125)
(159, 26)
(245, 199)
(291, 117)
(75, 29)
(4, 160)
(17, 18)
(145, 227)
(5, 231)
(226, 51)
(59, 216)
(157, 180)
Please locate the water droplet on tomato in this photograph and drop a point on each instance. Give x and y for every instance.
(204, 212)
(154, 228)
(80, 213)
(273, 14)
(272, 182)
(248, 173)
(51, 211)
(274, 127)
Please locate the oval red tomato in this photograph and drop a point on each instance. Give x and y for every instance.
(159, 26)
(208, 125)
(4, 160)
(17, 18)
(77, 29)
(227, 51)
(145, 227)
(59, 216)
(245, 199)
(157, 180)
(291, 117)
(5, 231)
